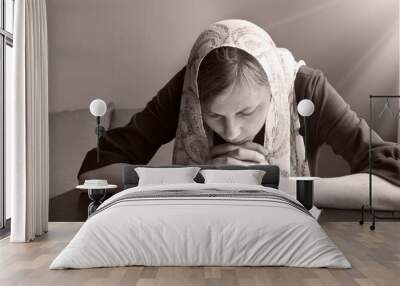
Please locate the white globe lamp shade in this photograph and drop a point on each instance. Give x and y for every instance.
(305, 107)
(98, 107)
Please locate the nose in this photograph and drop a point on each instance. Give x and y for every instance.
(231, 130)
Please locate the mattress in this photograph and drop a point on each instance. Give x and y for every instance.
(201, 225)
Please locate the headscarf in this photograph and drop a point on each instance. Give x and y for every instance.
(284, 145)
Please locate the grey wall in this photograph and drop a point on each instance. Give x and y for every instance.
(124, 51)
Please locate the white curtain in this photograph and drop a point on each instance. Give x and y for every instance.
(398, 121)
(27, 155)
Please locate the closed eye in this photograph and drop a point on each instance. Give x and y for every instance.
(213, 115)
(247, 112)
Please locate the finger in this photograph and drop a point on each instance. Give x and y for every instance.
(246, 155)
(256, 147)
(222, 149)
(229, 161)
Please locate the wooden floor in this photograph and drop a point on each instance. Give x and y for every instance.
(374, 255)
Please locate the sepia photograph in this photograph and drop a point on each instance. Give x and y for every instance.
(200, 142)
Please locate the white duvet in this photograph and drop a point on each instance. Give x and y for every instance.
(183, 231)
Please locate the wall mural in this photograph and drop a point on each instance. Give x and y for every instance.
(235, 101)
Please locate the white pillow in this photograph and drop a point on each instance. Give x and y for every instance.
(162, 176)
(248, 177)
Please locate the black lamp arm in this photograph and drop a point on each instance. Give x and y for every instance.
(100, 130)
(305, 138)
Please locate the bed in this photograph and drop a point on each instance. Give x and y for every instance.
(201, 224)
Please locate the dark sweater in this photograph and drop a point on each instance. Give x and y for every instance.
(333, 122)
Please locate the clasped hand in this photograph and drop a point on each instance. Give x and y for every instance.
(248, 153)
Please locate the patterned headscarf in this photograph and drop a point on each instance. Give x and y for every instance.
(284, 145)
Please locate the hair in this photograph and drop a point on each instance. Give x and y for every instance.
(225, 66)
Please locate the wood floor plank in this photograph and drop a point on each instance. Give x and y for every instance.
(374, 255)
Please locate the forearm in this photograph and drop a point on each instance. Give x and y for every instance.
(350, 192)
(146, 132)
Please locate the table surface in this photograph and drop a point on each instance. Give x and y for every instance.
(72, 206)
(304, 178)
(95, 187)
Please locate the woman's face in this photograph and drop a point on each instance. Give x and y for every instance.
(238, 113)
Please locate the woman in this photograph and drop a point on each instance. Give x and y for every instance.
(233, 108)
(235, 102)
(239, 84)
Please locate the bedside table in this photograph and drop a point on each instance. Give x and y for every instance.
(305, 190)
(96, 195)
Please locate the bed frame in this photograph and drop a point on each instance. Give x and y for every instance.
(270, 179)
